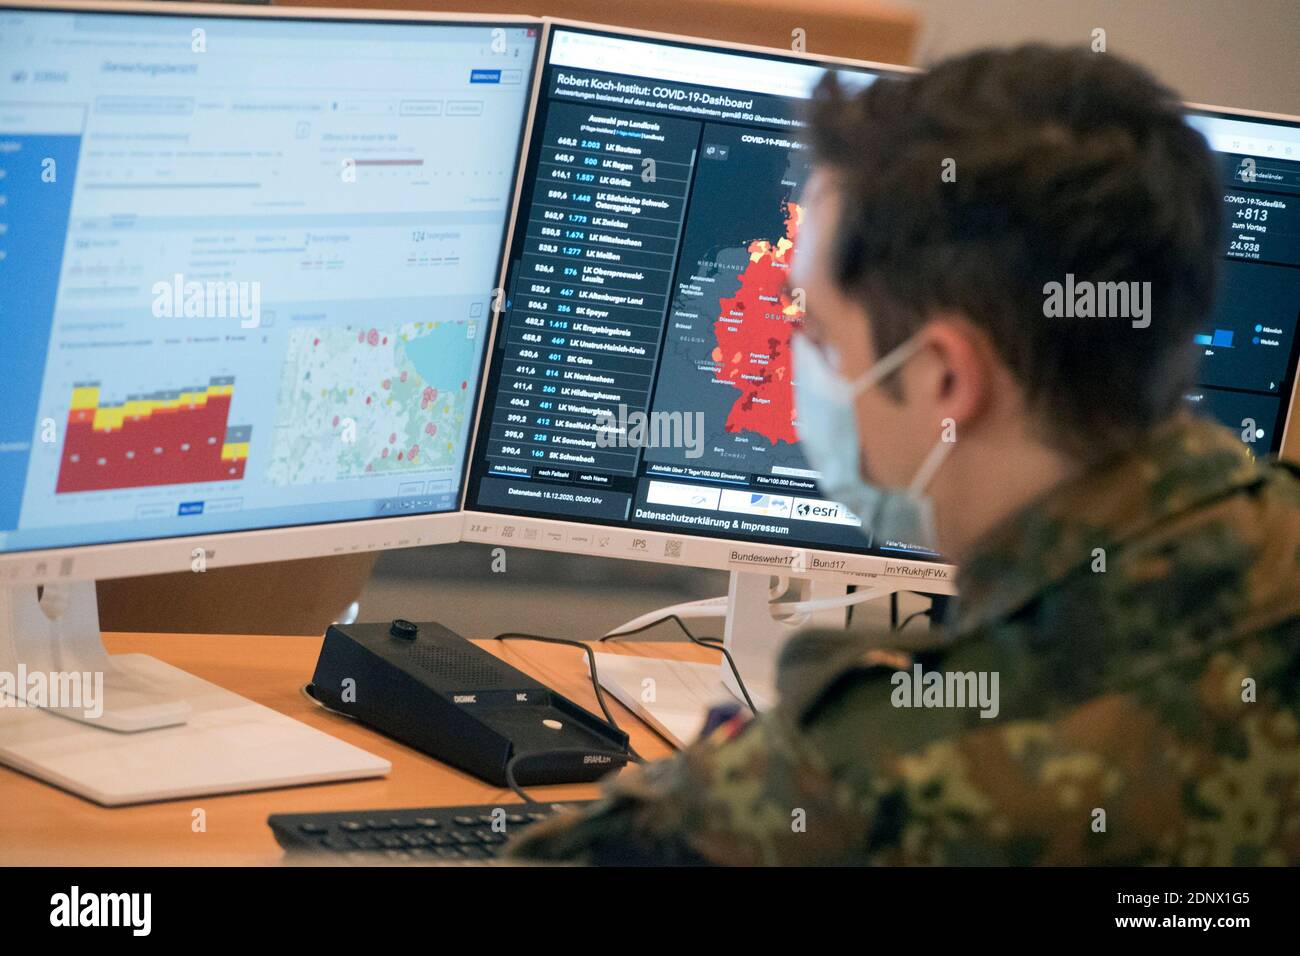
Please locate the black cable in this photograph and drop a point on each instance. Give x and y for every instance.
(655, 623)
(595, 682)
(893, 610)
(513, 784)
(710, 642)
(915, 614)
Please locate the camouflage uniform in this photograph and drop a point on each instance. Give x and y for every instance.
(1156, 680)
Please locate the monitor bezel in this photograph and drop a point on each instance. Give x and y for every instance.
(119, 559)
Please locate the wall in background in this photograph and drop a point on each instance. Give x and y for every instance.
(1242, 53)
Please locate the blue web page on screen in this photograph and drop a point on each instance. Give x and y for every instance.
(247, 267)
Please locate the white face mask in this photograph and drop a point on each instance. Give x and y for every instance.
(828, 432)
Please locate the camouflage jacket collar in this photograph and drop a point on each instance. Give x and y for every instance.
(1182, 466)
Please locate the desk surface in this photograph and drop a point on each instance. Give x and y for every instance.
(41, 825)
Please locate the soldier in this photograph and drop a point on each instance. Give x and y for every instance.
(1128, 627)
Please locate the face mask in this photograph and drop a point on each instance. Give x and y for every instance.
(828, 432)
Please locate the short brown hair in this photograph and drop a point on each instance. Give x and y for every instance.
(1065, 162)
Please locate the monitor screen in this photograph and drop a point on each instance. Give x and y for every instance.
(641, 372)
(1249, 349)
(247, 266)
(640, 376)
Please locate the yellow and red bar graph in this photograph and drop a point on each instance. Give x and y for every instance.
(167, 437)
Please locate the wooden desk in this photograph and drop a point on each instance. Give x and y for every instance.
(41, 825)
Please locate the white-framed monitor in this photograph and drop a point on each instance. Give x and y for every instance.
(246, 277)
(188, 162)
(657, 219)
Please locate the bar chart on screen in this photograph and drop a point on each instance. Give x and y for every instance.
(164, 437)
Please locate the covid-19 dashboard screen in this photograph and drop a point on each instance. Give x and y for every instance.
(641, 374)
(247, 266)
(1248, 347)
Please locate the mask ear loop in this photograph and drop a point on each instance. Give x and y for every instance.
(886, 366)
(928, 467)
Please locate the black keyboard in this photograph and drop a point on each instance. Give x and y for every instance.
(422, 835)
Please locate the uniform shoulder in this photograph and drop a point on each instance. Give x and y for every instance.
(816, 663)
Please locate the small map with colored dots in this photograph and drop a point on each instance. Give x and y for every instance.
(358, 401)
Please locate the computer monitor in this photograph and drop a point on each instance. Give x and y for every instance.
(1249, 349)
(247, 260)
(638, 402)
(659, 213)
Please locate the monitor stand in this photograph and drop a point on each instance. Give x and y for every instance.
(673, 697)
(128, 728)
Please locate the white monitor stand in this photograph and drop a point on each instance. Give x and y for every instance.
(673, 697)
(128, 728)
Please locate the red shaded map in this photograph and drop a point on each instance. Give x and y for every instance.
(753, 331)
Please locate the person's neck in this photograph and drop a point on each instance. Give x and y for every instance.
(986, 482)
